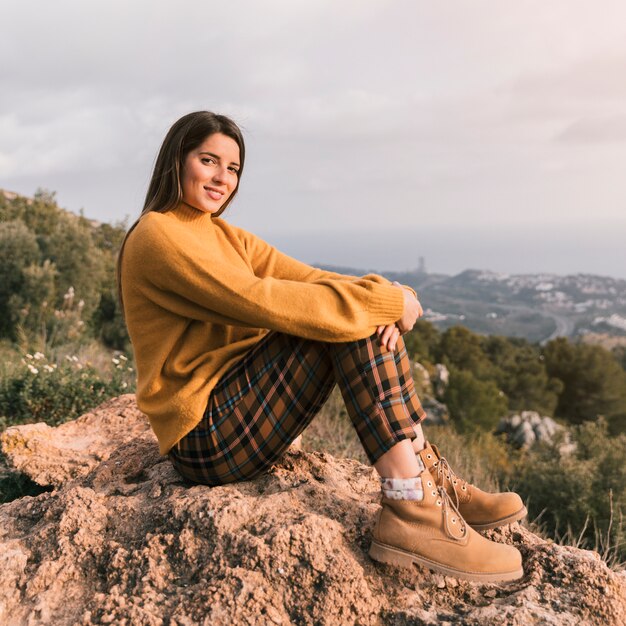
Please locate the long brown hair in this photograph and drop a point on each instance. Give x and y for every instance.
(165, 190)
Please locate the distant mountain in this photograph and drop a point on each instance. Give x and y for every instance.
(537, 307)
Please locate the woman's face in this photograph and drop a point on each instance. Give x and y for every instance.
(210, 173)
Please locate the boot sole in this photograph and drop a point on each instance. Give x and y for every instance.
(502, 522)
(400, 558)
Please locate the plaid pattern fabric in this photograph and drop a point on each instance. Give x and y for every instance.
(263, 402)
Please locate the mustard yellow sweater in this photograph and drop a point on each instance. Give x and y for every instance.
(199, 293)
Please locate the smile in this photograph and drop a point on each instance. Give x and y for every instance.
(214, 194)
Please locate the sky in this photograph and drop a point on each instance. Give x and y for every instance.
(488, 134)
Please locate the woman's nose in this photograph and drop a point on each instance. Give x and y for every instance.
(219, 174)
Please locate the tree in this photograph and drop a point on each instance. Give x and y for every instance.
(108, 324)
(422, 341)
(79, 263)
(474, 404)
(18, 250)
(594, 383)
(32, 307)
(520, 372)
(462, 349)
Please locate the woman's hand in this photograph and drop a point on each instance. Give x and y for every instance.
(388, 335)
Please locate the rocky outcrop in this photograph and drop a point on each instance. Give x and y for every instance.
(441, 379)
(124, 540)
(436, 412)
(528, 428)
(52, 456)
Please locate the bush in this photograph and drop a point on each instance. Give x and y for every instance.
(594, 382)
(421, 342)
(583, 494)
(473, 404)
(36, 390)
(520, 372)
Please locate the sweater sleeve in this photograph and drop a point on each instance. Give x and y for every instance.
(197, 282)
(267, 260)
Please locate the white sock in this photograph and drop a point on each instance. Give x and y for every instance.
(404, 488)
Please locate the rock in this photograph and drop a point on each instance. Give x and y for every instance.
(441, 379)
(436, 412)
(421, 375)
(125, 540)
(551, 426)
(528, 428)
(51, 456)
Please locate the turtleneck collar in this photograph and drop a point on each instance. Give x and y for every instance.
(186, 213)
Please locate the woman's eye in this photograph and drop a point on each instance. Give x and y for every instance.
(234, 170)
(208, 160)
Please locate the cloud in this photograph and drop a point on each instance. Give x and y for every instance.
(600, 130)
(422, 111)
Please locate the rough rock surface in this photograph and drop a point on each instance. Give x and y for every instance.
(126, 541)
(52, 456)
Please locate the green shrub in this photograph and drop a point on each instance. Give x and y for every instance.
(520, 372)
(422, 341)
(36, 390)
(583, 494)
(594, 382)
(473, 404)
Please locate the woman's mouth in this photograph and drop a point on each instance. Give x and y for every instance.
(214, 194)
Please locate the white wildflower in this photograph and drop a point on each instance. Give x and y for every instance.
(123, 358)
(38, 356)
(48, 368)
(116, 361)
(29, 356)
(32, 369)
(75, 359)
(124, 385)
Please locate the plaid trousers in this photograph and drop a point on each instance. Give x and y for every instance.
(265, 400)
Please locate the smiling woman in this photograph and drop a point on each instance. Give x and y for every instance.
(238, 346)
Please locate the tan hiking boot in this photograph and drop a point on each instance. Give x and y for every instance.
(481, 510)
(432, 533)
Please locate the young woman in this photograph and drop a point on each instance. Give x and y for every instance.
(238, 346)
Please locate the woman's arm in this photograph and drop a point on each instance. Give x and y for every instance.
(197, 282)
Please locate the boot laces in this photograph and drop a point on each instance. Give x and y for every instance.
(446, 504)
(446, 473)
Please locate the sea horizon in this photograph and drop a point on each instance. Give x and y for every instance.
(451, 251)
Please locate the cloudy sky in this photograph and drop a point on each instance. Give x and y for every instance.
(487, 134)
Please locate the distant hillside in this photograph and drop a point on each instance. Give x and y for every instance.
(537, 307)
